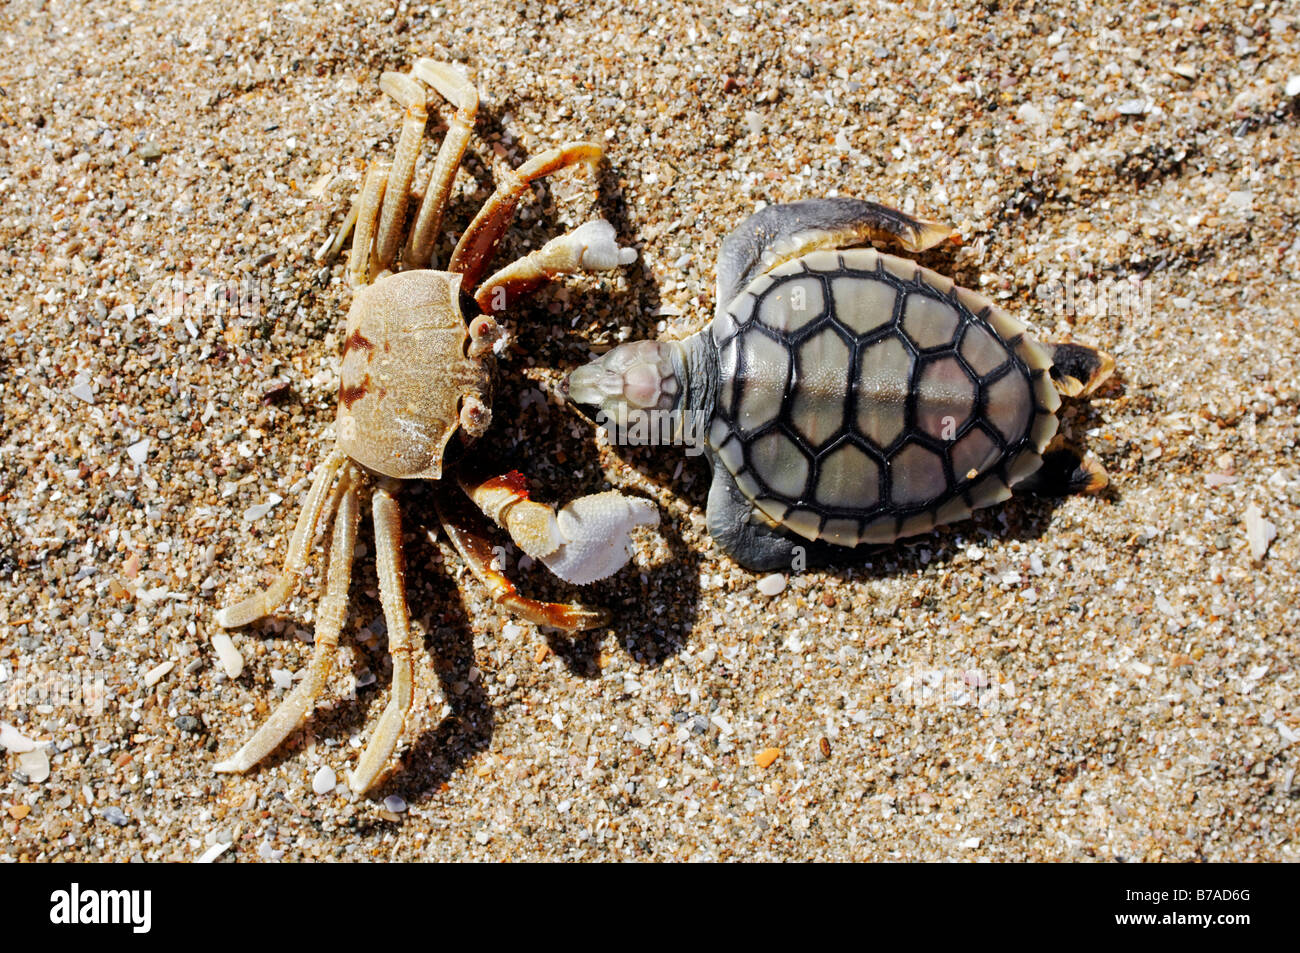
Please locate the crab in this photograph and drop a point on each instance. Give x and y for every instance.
(414, 376)
(847, 397)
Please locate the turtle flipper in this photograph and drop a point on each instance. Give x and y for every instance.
(752, 540)
(731, 517)
(1066, 469)
(1078, 370)
(780, 233)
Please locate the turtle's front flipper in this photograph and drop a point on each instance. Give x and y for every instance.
(780, 233)
(751, 540)
(1078, 370)
(732, 522)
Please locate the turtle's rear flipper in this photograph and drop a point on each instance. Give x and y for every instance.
(1078, 370)
(1065, 470)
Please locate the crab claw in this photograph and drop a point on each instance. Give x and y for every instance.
(592, 535)
(596, 246)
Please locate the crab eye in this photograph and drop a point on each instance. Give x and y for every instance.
(475, 415)
(484, 336)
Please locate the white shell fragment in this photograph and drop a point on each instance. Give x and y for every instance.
(257, 511)
(1259, 532)
(212, 853)
(155, 674)
(324, 781)
(1293, 85)
(11, 739)
(232, 663)
(595, 531)
(82, 390)
(139, 451)
(35, 765)
(773, 584)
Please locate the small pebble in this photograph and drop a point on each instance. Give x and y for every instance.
(115, 816)
(773, 584)
(1293, 85)
(187, 723)
(394, 804)
(765, 757)
(324, 781)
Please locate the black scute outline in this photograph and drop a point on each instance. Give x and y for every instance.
(847, 431)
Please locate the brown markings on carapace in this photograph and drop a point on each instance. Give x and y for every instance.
(359, 341)
(350, 395)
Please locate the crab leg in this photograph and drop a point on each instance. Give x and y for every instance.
(410, 94)
(586, 540)
(465, 529)
(329, 622)
(392, 593)
(590, 247)
(474, 250)
(455, 87)
(367, 206)
(295, 560)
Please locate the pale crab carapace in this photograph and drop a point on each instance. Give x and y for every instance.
(414, 375)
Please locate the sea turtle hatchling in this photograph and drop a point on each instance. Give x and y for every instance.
(845, 396)
(416, 374)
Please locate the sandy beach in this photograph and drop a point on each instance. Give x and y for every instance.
(1098, 678)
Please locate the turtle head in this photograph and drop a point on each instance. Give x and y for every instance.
(636, 392)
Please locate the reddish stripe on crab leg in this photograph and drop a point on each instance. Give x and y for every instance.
(589, 247)
(467, 533)
(475, 248)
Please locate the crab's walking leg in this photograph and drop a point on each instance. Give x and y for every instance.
(367, 208)
(455, 87)
(466, 530)
(474, 250)
(586, 540)
(409, 93)
(392, 593)
(329, 622)
(295, 560)
(590, 247)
